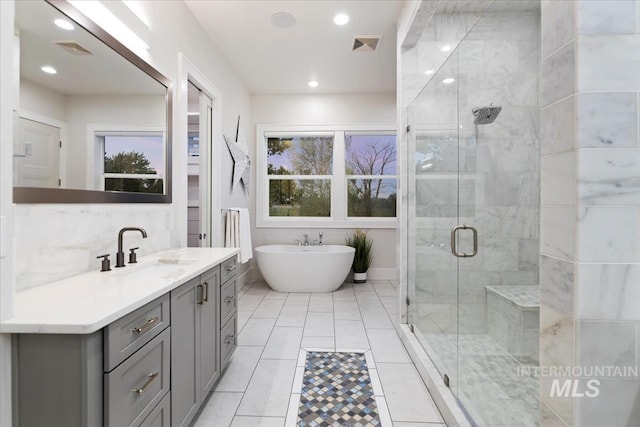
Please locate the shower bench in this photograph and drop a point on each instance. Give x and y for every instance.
(513, 317)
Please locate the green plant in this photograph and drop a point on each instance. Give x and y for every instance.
(363, 256)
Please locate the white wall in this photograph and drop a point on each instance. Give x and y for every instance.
(325, 110)
(79, 112)
(83, 111)
(36, 98)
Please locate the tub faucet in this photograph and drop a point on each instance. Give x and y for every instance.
(320, 235)
(306, 239)
(120, 254)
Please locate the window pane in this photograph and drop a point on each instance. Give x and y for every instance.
(133, 154)
(372, 198)
(371, 154)
(300, 155)
(134, 185)
(308, 197)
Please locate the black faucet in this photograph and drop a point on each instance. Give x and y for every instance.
(120, 254)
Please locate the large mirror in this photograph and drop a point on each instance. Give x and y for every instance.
(93, 120)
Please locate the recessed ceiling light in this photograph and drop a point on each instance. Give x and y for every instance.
(446, 48)
(341, 19)
(429, 72)
(64, 24)
(449, 80)
(313, 83)
(49, 69)
(283, 20)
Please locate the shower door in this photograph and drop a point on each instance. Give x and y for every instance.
(434, 172)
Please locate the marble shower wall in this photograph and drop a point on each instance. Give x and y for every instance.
(496, 63)
(590, 218)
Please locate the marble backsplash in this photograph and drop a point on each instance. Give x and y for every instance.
(54, 241)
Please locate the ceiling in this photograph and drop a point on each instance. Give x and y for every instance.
(272, 60)
(104, 72)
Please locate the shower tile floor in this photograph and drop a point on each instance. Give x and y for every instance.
(489, 385)
(262, 386)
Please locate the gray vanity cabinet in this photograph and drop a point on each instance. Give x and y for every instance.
(57, 380)
(115, 377)
(153, 367)
(194, 347)
(228, 311)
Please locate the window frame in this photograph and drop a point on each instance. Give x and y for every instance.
(339, 179)
(95, 173)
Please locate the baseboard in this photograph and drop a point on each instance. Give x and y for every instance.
(441, 394)
(382, 274)
(244, 278)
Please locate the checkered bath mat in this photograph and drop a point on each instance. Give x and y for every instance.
(337, 392)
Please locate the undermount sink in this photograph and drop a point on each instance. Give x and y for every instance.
(177, 261)
(155, 269)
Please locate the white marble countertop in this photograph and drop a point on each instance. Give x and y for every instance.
(87, 302)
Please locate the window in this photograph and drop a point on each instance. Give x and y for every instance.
(321, 176)
(131, 162)
(299, 172)
(371, 175)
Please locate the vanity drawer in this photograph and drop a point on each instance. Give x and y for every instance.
(134, 388)
(228, 268)
(228, 340)
(161, 414)
(126, 335)
(227, 301)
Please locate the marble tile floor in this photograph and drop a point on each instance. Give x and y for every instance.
(489, 384)
(262, 385)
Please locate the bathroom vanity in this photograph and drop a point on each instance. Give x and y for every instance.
(141, 345)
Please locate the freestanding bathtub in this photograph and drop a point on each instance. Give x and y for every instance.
(291, 268)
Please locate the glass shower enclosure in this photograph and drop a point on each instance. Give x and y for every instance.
(473, 215)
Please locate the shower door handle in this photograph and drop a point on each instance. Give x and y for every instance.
(454, 237)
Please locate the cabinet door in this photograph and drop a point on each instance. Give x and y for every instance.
(185, 327)
(209, 331)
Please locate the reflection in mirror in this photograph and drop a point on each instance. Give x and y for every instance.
(88, 118)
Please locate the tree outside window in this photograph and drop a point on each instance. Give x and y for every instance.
(371, 175)
(307, 161)
(133, 163)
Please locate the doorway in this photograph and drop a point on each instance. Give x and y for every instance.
(39, 164)
(199, 142)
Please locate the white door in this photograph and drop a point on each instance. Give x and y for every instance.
(39, 164)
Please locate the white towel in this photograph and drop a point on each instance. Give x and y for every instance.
(238, 233)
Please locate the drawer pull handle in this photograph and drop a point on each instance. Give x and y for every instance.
(229, 299)
(229, 339)
(146, 326)
(205, 292)
(145, 387)
(230, 268)
(201, 300)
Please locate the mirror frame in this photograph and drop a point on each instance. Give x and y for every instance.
(65, 195)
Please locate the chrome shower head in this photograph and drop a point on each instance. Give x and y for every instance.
(486, 115)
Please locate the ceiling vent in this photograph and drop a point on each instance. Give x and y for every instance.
(73, 47)
(365, 43)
